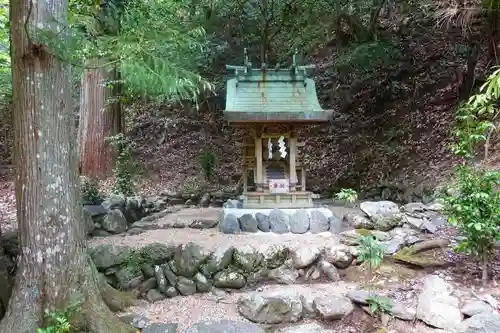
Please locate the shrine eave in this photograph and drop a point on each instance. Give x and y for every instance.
(281, 117)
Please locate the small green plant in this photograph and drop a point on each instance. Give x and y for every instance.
(207, 163)
(474, 207)
(58, 321)
(134, 261)
(379, 304)
(90, 191)
(126, 169)
(371, 252)
(347, 194)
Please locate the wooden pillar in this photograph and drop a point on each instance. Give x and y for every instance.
(293, 165)
(258, 160)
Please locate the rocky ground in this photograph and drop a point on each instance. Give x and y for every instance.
(434, 292)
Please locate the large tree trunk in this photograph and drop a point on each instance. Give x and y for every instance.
(54, 269)
(100, 117)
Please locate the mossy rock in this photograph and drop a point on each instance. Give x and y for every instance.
(363, 232)
(422, 259)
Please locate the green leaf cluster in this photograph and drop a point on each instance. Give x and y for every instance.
(126, 168)
(474, 207)
(371, 251)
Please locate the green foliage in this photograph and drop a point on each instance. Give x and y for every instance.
(5, 76)
(347, 194)
(134, 261)
(379, 304)
(90, 191)
(126, 168)
(207, 163)
(474, 207)
(58, 321)
(475, 119)
(371, 251)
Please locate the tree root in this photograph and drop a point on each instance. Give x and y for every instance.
(413, 255)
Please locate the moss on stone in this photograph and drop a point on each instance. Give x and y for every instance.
(363, 232)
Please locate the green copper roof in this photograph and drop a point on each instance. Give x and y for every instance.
(272, 95)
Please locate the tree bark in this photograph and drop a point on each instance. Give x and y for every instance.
(54, 269)
(100, 118)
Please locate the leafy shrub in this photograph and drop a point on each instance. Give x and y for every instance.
(126, 169)
(90, 191)
(56, 322)
(207, 163)
(379, 304)
(347, 194)
(474, 207)
(371, 251)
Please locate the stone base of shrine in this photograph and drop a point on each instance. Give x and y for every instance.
(266, 200)
(294, 220)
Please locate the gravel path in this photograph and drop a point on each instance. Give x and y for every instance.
(188, 310)
(210, 239)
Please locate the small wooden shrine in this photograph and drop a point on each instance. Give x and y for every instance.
(272, 104)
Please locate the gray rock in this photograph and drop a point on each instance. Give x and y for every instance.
(188, 258)
(313, 273)
(329, 270)
(169, 274)
(299, 222)
(135, 320)
(95, 210)
(394, 245)
(248, 258)
(486, 322)
(248, 223)
(127, 278)
(154, 295)
(88, 223)
(204, 224)
(100, 233)
(107, 255)
(157, 253)
(357, 221)
(381, 236)
(415, 222)
(185, 286)
(339, 255)
(305, 328)
(318, 223)
(230, 224)
(402, 312)
(147, 285)
(115, 222)
(272, 307)
(219, 259)
(335, 224)
(383, 208)
(160, 328)
(147, 270)
(232, 203)
(473, 307)
(171, 292)
(224, 326)
(361, 296)
(333, 307)
(161, 281)
(114, 202)
(436, 305)
(135, 231)
(279, 221)
(386, 223)
(284, 275)
(229, 279)
(263, 223)
(304, 256)
(203, 285)
(275, 255)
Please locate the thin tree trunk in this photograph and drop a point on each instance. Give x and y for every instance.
(100, 118)
(54, 269)
(484, 273)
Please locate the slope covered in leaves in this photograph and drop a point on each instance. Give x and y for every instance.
(392, 124)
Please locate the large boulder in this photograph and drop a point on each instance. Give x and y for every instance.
(299, 222)
(188, 259)
(263, 223)
(248, 258)
(248, 223)
(157, 253)
(437, 306)
(229, 279)
(385, 215)
(108, 255)
(339, 255)
(485, 322)
(219, 259)
(224, 326)
(333, 307)
(304, 256)
(279, 221)
(230, 224)
(272, 307)
(318, 222)
(115, 222)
